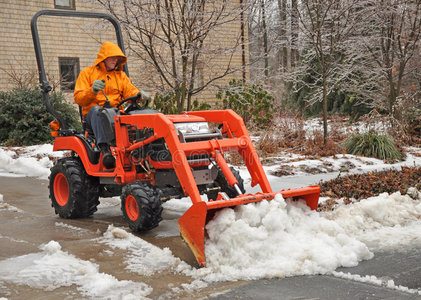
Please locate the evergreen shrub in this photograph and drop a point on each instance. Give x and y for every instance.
(253, 103)
(24, 118)
(166, 103)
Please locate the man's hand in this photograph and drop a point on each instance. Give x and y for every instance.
(98, 85)
(144, 95)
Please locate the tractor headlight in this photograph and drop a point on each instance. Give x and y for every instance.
(192, 127)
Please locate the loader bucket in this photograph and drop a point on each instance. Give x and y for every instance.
(193, 223)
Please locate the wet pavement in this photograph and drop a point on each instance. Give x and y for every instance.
(35, 223)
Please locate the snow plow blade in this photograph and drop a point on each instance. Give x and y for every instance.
(192, 224)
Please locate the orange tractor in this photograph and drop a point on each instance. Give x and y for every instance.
(158, 157)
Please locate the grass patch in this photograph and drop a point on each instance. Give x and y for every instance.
(373, 145)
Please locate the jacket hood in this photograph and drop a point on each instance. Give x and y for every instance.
(109, 49)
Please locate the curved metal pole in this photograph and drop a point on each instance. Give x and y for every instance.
(45, 86)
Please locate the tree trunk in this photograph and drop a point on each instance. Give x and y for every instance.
(282, 6)
(243, 42)
(294, 33)
(325, 133)
(265, 38)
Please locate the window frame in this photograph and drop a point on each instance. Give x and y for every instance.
(72, 5)
(74, 62)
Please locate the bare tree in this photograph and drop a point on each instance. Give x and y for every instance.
(368, 50)
(326, 25)
(268, 43)
(391, 34)
(173, 37)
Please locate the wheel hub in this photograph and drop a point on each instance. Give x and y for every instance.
(61, 189)
(132, 209)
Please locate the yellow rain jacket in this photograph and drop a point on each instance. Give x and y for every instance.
(117, 84)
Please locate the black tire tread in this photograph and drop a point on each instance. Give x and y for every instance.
(150, 206)
(83, 189)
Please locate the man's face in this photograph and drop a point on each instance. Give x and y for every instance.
(110, 62)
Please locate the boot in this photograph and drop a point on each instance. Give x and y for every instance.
(108, 159)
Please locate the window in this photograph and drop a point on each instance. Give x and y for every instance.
(64, 4)
(69, 70)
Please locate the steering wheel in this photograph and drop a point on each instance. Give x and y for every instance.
(133, 105)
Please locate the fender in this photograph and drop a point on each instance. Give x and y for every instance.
(79, 145)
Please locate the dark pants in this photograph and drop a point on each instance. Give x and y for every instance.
(96, 124)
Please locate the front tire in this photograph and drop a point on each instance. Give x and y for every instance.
(73, 193)
(141, 206)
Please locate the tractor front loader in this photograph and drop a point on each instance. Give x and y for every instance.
(158, 157)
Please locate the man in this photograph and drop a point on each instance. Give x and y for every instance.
(105, 75)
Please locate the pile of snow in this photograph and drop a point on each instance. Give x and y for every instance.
(279, 239)
(383, 222)
(276, 239)
(53, 268)
(143, 258)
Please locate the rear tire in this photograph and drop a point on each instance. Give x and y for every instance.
(73, 193)
(141, 206)
(222, 182)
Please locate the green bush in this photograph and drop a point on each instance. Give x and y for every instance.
(373, 145)
(166, 103)
(24, 118)
(251, 102)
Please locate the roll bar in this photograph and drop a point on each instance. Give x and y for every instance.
(44, 84)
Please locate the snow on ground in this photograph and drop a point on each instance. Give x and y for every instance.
(6, 206)
(263, 240)
(376, 281)
(35, 161)
(52, 268)
(341, 163)
(27, 161)
(254, 241)
(143, 258)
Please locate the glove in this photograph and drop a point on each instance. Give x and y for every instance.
(144, 95)
(98, 85)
